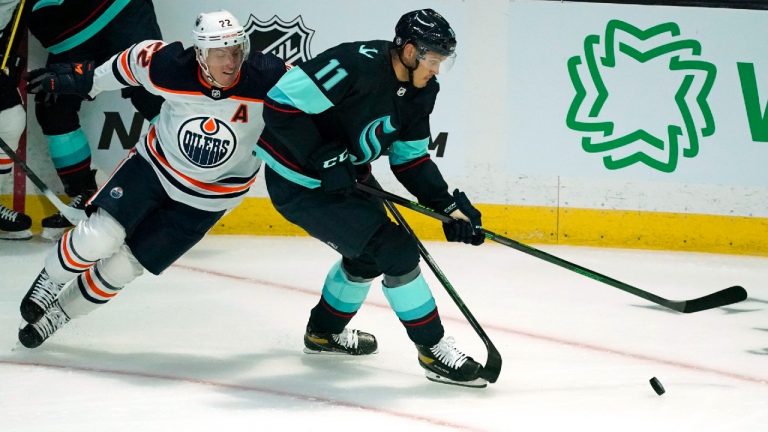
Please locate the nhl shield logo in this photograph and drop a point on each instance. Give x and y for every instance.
(288, 40)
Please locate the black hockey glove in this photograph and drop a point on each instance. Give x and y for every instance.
(337, 174)
(6, 83)
(460, 230)
(63, 78)
(363, 172)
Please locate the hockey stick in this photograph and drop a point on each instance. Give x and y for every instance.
(72, 214)
(492, 367)
(717, 299)
(19, 11)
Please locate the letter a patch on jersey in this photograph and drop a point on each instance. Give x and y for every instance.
(241, 115)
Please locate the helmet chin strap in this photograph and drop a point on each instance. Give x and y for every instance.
(409, 68)
(210, 77)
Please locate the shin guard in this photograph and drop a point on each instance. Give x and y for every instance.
(100, 283)
(343, 295)
(411, 299)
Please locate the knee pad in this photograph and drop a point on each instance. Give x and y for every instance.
(393, 250)
(120, 269)
(12, 123)
(96, 238)
(58, 116)
(100, 284)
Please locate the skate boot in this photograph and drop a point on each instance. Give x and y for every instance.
(41, 295)
(349, 341)
(14, 225)
(55, 224)
(444, 363)
(33, 335)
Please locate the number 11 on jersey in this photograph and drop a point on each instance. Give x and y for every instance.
(335, 78)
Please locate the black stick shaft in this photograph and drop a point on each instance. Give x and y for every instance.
(492, 367)
(720, 298)
(31, 174)
(72, 214)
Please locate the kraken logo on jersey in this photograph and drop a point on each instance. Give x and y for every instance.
(288, 40)
(207, 142)
(370, 144)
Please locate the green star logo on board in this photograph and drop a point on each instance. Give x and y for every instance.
(641, 96)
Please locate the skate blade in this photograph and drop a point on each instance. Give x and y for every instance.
(333, 353)
(53, 234)
(16, 235)
(18, 346)
(475, 383)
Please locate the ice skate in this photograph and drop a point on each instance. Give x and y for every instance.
(349, 341)
(41, 295)
(444, 363)
(56, 224)
(33, 335)
(14, 225)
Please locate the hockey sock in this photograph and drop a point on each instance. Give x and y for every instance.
(343, 294)
(100, 283)
(12, 123)
(411, 299)
(71, 157)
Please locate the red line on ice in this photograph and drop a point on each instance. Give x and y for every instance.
(582, 345)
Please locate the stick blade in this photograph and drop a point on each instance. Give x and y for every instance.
(492, 368)
(724, 297)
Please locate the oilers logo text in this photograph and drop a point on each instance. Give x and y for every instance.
(207, 142)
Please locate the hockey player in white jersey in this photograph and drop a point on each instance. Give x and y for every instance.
(193, 164)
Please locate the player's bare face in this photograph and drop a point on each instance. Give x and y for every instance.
(224, 64)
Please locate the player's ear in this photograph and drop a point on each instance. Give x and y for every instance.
(409, 51)
(409, 54)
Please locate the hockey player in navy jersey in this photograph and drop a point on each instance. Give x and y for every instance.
(326, 120)
(70, 30)
(80, 30)
(192, 165)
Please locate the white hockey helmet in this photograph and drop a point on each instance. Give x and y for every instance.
(219, 29)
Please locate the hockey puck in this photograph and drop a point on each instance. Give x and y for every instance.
(657, 387)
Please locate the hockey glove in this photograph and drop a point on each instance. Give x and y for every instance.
(6, 83)
(63, 78)
(459, 230)
(337, 175)
(363, 172)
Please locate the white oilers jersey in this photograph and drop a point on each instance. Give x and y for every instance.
(201, 146)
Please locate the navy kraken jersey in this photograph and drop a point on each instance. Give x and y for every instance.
(201, 146)
(61, 25)
(350, 97)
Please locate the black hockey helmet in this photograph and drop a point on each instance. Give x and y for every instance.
(426, 29)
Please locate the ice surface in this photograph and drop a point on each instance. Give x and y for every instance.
(215, 344)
